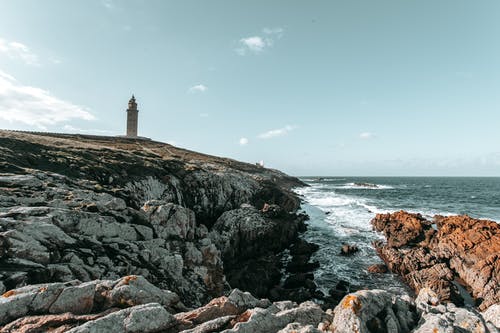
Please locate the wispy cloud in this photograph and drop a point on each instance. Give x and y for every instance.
(20, 104)
(277, 32)
(366, 135)
(257, 44)
(277, 132)
(18, 51)
(243, 141)
(109, 4)
(55, 60)
(204, 115)
(198, 88)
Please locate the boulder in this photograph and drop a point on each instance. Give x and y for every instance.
(236, 303)
(368, 311)
(437, 317)
(299, 328)
(146, 318)
(82, 298)
(348, 249)
(492, 315)
(170, 220)
(133, 290)
(58, 323)
(400, 228)
(273, 319)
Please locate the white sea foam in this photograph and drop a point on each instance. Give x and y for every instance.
(338, 218)
(347, 215)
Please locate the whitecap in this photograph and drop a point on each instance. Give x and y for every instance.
(354, 186)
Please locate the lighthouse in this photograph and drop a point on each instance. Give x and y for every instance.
(132, 117)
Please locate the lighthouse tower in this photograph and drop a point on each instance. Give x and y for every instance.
(132, 117)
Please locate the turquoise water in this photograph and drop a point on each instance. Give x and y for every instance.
(341, 209)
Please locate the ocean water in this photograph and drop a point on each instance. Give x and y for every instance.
(341, 208)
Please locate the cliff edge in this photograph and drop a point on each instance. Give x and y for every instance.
(88, 207)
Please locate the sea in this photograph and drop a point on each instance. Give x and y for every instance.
(340, 210)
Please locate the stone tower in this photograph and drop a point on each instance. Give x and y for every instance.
(132, 116)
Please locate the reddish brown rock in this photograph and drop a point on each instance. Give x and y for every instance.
(472, 247)
(377, 268)
(231, 306)
(458, 248)
(400, 228)
(218, 307)
(50, 323)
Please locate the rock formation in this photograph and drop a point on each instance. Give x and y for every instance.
(443, 254)
(80, 207)
(132, 304)
(103, 234)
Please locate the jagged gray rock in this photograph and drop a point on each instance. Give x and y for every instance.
(492, 315)
(83, 298)
(271, 320)
(133, 290)
(146, 318)
(214, 325)
(377, 310)
(170, 220)
(299, 328)
(132, 304)
(365, 308)
(436, 317)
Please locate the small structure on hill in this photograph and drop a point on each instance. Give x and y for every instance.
(132, 118)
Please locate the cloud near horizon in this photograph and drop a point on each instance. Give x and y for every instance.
(34, 106)
(243, 141)
(198, 88)
(366, 135)
(16, 50)
(277, 132)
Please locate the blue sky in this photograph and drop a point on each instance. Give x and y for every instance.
(309, 87)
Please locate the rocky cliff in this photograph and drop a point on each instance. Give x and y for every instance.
(86, 207)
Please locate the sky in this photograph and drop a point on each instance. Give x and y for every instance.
(359, 87)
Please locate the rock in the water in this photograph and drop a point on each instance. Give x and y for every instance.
(377, 268)
(348, 249)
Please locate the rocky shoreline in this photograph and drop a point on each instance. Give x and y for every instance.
(450, 255)
(103, 234)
